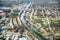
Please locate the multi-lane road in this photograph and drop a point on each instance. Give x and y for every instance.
(25, 23)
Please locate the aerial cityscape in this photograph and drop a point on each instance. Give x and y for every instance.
(29, 19)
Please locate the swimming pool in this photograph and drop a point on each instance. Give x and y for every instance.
(2, 31)
(23, 38)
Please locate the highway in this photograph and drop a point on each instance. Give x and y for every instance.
(25, 23)
(23, 14)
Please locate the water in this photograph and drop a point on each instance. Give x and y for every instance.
(2, 31)
(23, 38)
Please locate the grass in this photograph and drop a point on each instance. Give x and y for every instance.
(58, 32)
